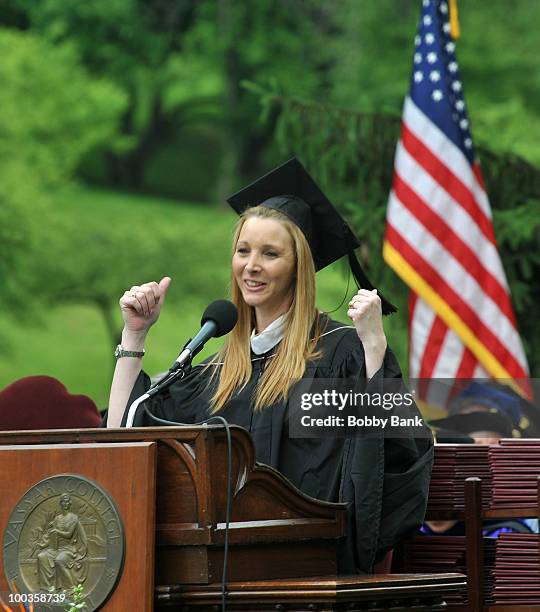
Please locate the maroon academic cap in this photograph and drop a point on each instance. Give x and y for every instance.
(42, 402)
(290, 190)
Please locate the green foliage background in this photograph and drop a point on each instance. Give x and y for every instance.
(124, 123)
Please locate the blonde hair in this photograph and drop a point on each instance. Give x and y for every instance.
(297, 347)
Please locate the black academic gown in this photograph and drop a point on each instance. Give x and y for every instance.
(384, 481)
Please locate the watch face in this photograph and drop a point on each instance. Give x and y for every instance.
(118, 351)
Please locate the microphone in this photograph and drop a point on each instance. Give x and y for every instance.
(218, 319)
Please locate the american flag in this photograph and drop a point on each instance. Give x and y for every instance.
(439, 234)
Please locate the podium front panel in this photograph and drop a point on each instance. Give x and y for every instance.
(79, 514)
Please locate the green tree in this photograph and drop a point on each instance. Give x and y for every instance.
(99, 251)
(278, 42)
(53, 112)
(46, 127)
(180, 64)
(138, 46)
(497, 51)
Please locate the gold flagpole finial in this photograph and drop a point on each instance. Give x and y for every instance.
(454, 20)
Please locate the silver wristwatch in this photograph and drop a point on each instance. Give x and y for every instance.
(121, 352)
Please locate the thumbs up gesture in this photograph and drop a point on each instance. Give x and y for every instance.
(141, 305)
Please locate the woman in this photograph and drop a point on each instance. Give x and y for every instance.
(280, 337)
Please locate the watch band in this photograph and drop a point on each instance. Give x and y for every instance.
(122, 352)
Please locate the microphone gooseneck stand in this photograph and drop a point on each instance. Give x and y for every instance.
(164, 383)
(169, 378)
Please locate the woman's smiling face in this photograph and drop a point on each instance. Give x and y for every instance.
(264, 265)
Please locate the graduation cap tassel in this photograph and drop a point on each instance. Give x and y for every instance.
(364, 283)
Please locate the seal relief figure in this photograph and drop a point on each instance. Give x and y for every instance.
(65, 532)
(61, 564)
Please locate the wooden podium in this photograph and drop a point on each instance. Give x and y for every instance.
(168, 488)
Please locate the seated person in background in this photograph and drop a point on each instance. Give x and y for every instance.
(491, 528)
(287, 230)
(524, 414)
(490, 407)
(477, 417)
(42, 402)
(482, 427)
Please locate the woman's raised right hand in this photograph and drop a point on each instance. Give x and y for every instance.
(142, 304)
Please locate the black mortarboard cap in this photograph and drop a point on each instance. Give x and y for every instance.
(447, 436)
(476, 421)
(291, 190)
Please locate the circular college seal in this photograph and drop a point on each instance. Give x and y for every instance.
(64, 539)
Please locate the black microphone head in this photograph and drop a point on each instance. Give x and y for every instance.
(223, 313)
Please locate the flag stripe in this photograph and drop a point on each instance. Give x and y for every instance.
(439, 200)
(478, 175)
(421, 319)
(413, 298)
(455, 246)
(479, 372)
(483, 340)
(417, 283)
(433, 348)
(443, 273)
(444, 149)
(467, 365)
(451, 352)
(452, 183)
